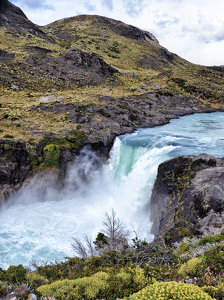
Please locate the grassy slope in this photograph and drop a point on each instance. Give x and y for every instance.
(89, 34)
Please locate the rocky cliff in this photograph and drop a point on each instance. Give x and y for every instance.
(188, 198)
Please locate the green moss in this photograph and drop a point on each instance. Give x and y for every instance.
(7, 147)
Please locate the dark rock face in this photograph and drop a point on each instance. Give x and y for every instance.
(15, 167)
(187, 191)
(85, 61)
(123, 115)
(13, 16)
(74, 67)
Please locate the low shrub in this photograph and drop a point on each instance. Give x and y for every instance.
(3, 288)
(36, 280)
(88, 287)
(215, 292)
(211, 239)
(214, 259)
(171, 290)
(191, 267)
(16, 274)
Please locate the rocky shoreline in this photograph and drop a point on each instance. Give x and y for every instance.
(101, 124)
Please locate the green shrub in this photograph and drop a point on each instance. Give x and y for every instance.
(103, 112)
(124, 277)
(133, 117)
(8, 136)
(50, 148)
(211, 239)
(171, 290)
(3, 287)
(52, 158)
(183, 248)
(214, 259)
(16, 274)
(2, 275)
(36, 280)
(32, 155)
(217, 293)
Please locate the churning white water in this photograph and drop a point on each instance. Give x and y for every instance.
(40, 226)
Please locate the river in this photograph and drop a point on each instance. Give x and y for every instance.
(41, 228)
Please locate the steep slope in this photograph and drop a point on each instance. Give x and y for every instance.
(13, 17)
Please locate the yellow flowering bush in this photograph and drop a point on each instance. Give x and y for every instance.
(170, 290)
(88, 287)
(191, 267)
(139, 277)
(101, 275)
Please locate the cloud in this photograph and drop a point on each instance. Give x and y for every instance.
(34, 4)
(108, 4)
(89, 6)
(164, 23)
(134, 7)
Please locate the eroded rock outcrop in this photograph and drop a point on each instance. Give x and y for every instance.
(15, 167)
(188, 197)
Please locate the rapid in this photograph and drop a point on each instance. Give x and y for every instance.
(41, 227)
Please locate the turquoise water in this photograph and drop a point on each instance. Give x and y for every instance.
(41, 227)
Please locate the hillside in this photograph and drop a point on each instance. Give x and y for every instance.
(85, 80)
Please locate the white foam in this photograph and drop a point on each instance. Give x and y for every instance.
(41, 227)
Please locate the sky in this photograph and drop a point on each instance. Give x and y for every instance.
(193, 29)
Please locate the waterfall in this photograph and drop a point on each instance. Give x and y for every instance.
(40, 226)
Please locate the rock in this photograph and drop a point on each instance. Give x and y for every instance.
(134, 75)
(188, 197)
(157, 85)
(32, 297)
(105, 90)
(138, 90)
(70, 96)
(149, 87)
(60, 98)
(47, 99)
(13, 16)
(14, 87)
(54, 90)
(143, 85)
(15, 167)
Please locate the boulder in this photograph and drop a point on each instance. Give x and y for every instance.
(47, 99)
(188, 192)
(14, 87)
